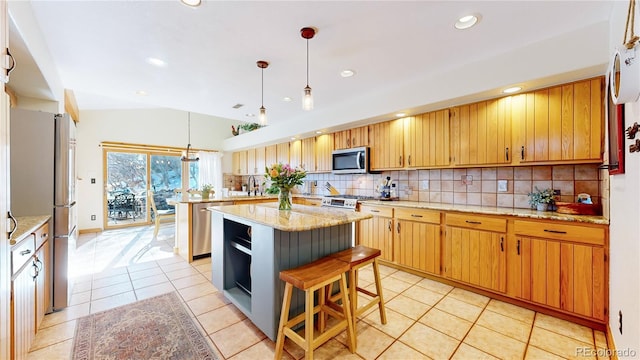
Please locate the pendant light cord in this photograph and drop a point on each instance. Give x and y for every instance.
(262, 89)
(307, 62)
(631, 14)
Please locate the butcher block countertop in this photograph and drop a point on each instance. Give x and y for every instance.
(299, 218)
(27, 225)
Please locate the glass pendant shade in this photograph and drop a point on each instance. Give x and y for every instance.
(263, 116)
(307, 99)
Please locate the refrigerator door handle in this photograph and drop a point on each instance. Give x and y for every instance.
(15, 224)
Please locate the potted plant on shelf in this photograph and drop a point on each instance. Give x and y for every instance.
(540, 199)
(207, 189)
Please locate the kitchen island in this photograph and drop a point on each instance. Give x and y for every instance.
(252, 243)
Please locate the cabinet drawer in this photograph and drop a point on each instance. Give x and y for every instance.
(377, 210)
(477, 222)
(22, 253)
(552, 230)
(419, 215)
(41, 235)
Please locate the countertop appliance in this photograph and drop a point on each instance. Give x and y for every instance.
(43, 182)
(344, 201)
(201, 225)
(350, 161)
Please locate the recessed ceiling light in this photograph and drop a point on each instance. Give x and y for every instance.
(293, 138)
(142, 93)
(511, 90)
(249, 115)
(400, 114)
(347, 73)
(156, 62)
(319, 132)
(467, 21)
(192, 3)
(286, 98)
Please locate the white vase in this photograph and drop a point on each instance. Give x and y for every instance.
(542, 206)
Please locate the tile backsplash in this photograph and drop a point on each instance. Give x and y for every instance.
(472, 186)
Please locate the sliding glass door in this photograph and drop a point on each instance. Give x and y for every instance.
(125, 189)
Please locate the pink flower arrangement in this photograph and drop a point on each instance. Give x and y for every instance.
(283, 177)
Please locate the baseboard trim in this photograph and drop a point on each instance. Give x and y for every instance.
(94, 230)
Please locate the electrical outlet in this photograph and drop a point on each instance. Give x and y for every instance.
(93, 180)
(502, 185)
(620, 321)
(93, 217)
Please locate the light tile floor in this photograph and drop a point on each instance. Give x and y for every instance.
(426, 319)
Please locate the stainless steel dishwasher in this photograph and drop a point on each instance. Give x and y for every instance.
(201, 225)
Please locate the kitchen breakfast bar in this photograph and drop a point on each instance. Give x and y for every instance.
(252, 243)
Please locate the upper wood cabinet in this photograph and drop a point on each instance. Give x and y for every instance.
(482, 132)
(270, 156)
(351, 138)
(563, 124)
(255, 161)
(386, 140)
(308, 155)
(239, 162)
(426, 139)
(295, 153)
(282, 153)
(323, 150)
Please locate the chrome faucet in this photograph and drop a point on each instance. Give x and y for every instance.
(252, 186)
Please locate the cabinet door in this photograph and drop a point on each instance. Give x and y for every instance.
(387, 141)
(308, 155)
(427, 139)
(377, 233)
(251, 162)
(342, 139)
(563, 123)
(418, 245)
(282, 153)
(270, 157)
(24, 290)
(563, 275)
(295, 153)
(323, 150)
(260, 161)
(43, 262)
(476, 257)
(482, 132)
(360, 136)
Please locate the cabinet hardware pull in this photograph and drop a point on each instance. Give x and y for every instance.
(34, 267)
(398, 226)
(473, 222)
(518, 247)
(506, 154)
(400, 160)
(348, 142)
(522, 153)
(555, 231)
(13, 63)
(376, 211)
(409, 159)
(44, 235)
(416, 215)
(38, 264)
(15, 224)
(502, 244)
(353, 142)
(25, 252)
(389, 225)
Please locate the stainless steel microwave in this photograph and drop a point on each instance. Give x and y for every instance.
(350, 161)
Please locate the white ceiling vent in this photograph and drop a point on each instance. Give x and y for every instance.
(238, 106)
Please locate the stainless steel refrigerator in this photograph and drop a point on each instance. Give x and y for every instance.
(43, 182)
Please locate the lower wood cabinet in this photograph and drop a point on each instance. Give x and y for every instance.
(561, 266)
(417, 239)
(23, 313)
(475, 250)
(307, 201)
(377, 232)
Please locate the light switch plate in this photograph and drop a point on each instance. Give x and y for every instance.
(502, 185)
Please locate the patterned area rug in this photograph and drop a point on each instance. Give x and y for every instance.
(155, 328)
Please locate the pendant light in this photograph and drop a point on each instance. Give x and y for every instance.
(186, 157)
(307, 98)
(263, 112)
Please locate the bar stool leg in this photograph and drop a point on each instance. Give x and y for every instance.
(346, 308)
(308, 324)
(376, 275)
(284, 317)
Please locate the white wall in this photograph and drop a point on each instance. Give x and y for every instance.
(624, 247)
(139, 126)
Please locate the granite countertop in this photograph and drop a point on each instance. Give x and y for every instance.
(213, 200)
(27, 225)
(299, 218)
(523, 213)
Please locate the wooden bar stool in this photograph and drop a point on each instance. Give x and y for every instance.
(311, 277)
(358, 257)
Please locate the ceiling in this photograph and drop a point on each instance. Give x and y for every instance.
(99, 49)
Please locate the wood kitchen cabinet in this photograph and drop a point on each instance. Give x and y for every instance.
(239, 162)
(307, 154)
(560, 266)
(475, 250)
(386, 140)
(42, 261)
(323, 150)
(351, 138)
(417, 239)
(426, 139)
(377, 232)
(282, 153)
(270, 157)
(482, 131)
(256, 161)
(295, 153)
(563, 124)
